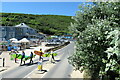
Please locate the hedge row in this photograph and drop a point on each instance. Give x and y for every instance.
(57, 47)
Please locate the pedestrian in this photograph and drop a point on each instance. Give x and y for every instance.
(31, 56)
(52, 56)
(12, 51)
(41, 54)
(52, 59)
(20, 47)
(23, 56)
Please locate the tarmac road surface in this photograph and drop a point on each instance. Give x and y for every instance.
(62, 69)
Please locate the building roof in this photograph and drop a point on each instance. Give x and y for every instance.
(22, 25)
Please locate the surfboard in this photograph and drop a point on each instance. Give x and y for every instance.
(27, 58)
(19, 56)
(38, 53)
(13, 55)
(48, 55)
(45, 55)
(54, 54)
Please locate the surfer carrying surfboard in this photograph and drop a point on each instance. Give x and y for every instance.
(41, 53)
(23, 56)
(31, 56)
(52, 59)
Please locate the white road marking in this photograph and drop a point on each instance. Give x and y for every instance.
(29, 73)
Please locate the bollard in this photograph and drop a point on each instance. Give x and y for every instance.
(3, 62)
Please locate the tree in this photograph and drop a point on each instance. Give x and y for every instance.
(92, 26)
(112, 69)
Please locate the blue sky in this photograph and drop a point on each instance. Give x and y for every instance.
(44, 0)
(53, 8)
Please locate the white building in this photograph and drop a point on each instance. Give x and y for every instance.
(19, 31)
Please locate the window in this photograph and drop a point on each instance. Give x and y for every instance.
(3, 29)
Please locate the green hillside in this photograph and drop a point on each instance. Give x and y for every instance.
(48, 24)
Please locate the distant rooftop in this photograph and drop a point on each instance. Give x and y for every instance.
(22, 25)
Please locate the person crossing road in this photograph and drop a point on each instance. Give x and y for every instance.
(40, 54)
(31, 56)
(23, 56)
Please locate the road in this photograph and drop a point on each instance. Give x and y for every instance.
(19, 72)
(61, 70)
